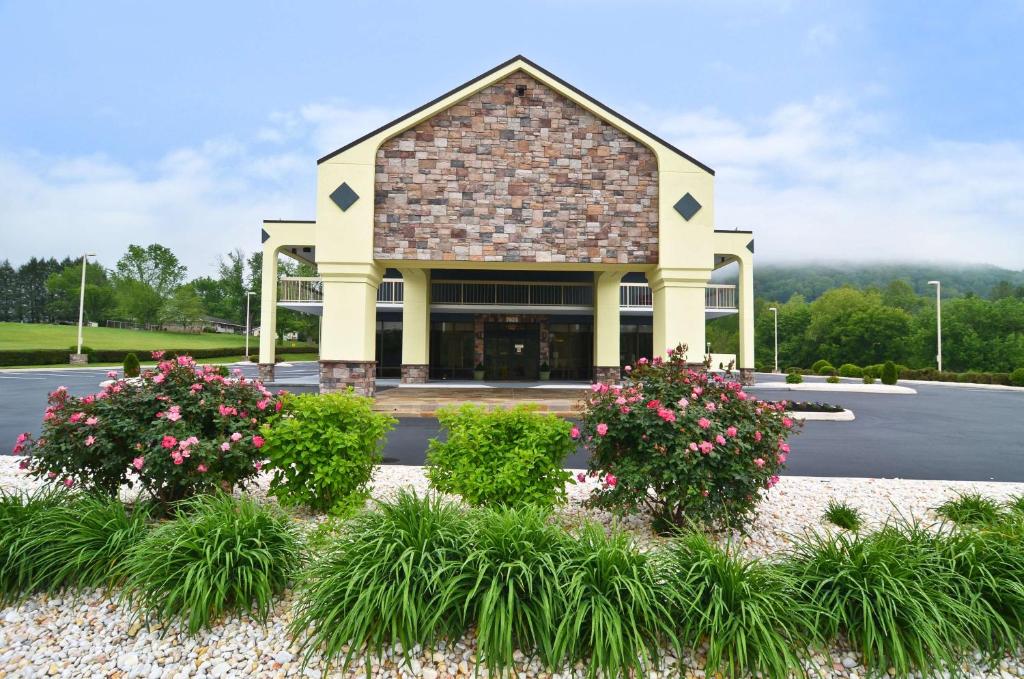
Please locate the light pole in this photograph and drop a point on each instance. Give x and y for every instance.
(248, 298)
(938, 321)
(775, 313)
(81, 300)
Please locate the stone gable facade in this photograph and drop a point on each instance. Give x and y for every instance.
(516, 173)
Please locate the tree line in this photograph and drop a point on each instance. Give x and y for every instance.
(872, 324)
(147, 286)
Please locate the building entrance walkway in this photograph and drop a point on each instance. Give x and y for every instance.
(425, 401)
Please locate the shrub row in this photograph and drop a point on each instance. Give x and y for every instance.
(823, 367)
(418, 570)
(16, 357)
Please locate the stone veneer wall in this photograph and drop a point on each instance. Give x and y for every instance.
(607, 374)
(340, 375)
(517, 178)
(415, 373)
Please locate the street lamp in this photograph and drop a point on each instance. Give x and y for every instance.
(938, 321)
(81, 300)
(248, 298)
(775, 313)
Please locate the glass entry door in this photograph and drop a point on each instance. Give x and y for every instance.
(512, 351)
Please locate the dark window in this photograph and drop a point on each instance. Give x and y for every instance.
(636, 340)
(451, 350)
(571, 348)
(389, 348)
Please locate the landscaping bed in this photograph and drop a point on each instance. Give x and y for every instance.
(93, 634)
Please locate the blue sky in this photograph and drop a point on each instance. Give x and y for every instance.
(839, 130)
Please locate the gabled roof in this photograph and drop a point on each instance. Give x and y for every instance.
(519, 58)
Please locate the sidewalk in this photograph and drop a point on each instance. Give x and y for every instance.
(425, 401)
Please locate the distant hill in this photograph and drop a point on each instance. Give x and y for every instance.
(778, 282)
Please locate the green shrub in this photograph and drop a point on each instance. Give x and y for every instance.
(889, 373)
(868, 379)
(744, 610)
(218, 555)
(850, 370)
(1016, 504)
(395, 574)
(832, 379)
(131, 366)
(843, 515)
(73, 349)
(892, 594)
(616, 614)
(1017, 377)
(794, 378)
(508, 457)
(705, 447)
(179, 430)
(874, 370)
(794, 370)
(826, 370)
(516, 601)
(14, 357)
(991, 558)
(19, 514)
(323, 449)
(819, 364)
(971, 509)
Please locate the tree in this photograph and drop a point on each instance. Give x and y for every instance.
(65, 286)
(145, 278)
(155, 266)
(8, 292)
(184, 308)
(32, 295)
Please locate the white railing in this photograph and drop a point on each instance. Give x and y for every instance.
(295, 290)
(304, 290)
(639, 296)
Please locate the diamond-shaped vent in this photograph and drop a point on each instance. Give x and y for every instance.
(687, 207)
(344, 196)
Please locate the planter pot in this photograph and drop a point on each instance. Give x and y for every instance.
(478, 375)
(545, 375)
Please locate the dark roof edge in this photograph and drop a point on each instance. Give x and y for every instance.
(519, 57)
(732, 231)
(289, 221)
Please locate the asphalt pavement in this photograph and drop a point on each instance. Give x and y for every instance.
(942, 432)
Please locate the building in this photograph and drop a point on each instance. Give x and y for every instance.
(515, 223)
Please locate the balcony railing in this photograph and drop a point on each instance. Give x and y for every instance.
(634, 296)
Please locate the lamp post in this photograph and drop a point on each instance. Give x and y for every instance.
(938, 321)
(248, 298)
(775, 313)
(81, 300)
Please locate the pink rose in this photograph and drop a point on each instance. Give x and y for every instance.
(201, 469)
(225, 446)
(68, 482)
(158, 378)
(581, 477)
(693, 446)
(235, 437)
(92, 421)
(157, 355)
(731, 431)
(258, 465)
(759, 462)
(257, 441)
(177, 457)
(642, 361)
(277, 406)
(786, 422)
(169, 441)
(781, 458)
(720, 440)
(784, 447)
(703, 423)
(611, 480)
(706, 447)
(89, 440)
(757, 436)
(138, 462)
(628, 368)
(51, 475)
(111, 374)
(602, 429)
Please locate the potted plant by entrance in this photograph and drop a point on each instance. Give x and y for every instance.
(545, 371)
(478, 372)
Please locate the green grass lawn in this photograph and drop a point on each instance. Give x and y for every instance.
(220, 360)
(14, 336)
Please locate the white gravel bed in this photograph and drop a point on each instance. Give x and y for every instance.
(92, 634)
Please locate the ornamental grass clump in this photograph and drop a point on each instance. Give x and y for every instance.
(971, 509)
(842, 515)
(893, 595)
(19, 513)
(616, 616)
(397, 573)
(686, 446)
(219, 555)
(508, 457)
(178, 430)
(516, 601)
(745, 610)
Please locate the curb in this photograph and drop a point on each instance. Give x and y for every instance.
(841, 387)
(842, 416)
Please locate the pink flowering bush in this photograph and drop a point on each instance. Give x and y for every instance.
(684, 445)
(177, 430)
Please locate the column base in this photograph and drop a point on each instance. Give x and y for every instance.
(338, 376)
(415, 373)
(607, 374)
(78, 359)
(266, 372)
(746, 376)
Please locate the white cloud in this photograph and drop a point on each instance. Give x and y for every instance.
(828, 180)
(821, 179)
